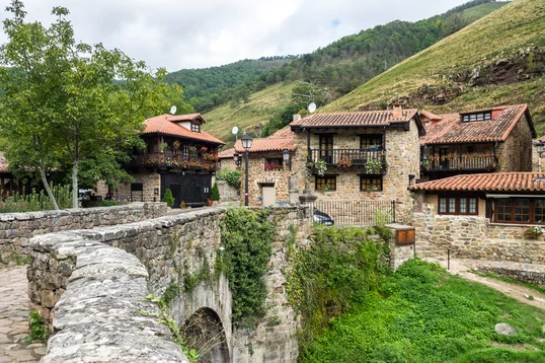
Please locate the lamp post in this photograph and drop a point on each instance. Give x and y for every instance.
(246, 141)
(286, 155)
(236, 160)
(540, 149)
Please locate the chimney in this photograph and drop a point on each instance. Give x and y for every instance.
(296, 117)
(397, 111)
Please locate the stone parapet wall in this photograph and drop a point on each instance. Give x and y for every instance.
(227, 192)
(474, 238)
(17, 229)
(171, 248)
(533, 274)
(101, 292)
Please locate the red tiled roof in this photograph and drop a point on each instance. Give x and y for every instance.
(430, 116)
(542, 139)
(355, 119)
(261, 145)
(284, 133)
(517, 182)
(451, 130)
(166, 124)
(227, 154)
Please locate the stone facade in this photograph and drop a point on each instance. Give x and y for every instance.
(227, 192)
(399, 253)
(535, 160)
(473, 237)
(402, 158)
(170, 248)
(16, 229)
(150, 181)
(259, 177)
(515, 154)
(533, 274)
(228, 164)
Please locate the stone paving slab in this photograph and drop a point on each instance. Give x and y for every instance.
(14, 304)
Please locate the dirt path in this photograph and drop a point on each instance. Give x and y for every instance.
(463, 269)
(14, 304)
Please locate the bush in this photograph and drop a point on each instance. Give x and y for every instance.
(35, 202)
(232, 177)
(109, 203)
(168, 198)
(215, 193)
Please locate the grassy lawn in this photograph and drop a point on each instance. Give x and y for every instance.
(423, 314)
(262, 105)
(479, 11)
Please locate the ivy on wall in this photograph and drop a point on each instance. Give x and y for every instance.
(246, 238)
(337, 272)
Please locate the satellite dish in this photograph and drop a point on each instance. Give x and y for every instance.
(235, 130)
(312, 107)
(173, 110)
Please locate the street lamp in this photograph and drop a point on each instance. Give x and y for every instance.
(540, 149)
(246, 141)
(237, 160)
(286, 155)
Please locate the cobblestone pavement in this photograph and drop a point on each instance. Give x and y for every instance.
(463, 268)
(14, 304)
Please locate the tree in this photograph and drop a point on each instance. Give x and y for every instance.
(168, 198)
(67, 104)
(215, 193)
(455, 23)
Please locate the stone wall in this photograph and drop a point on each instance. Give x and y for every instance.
(227, 192)
(16, 229)
(399, 253)
(260, 177)
(402, 157)
(473, 237)
(228, 164)
(533, 274)
(535, 160)
(171, 248)
(515, 154)
(150, 182)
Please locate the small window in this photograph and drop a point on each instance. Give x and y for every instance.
(195, 127)
(370, 183)
(326, 183)
(273, 164)
(370, 141)
(442, 205)
(479, 116)
(458, 206)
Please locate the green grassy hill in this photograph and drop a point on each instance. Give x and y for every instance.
(480, 11)
(262, 105)
(440, 77)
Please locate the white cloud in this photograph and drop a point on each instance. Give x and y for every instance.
(195, 34)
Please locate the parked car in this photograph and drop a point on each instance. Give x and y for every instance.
(322, 218)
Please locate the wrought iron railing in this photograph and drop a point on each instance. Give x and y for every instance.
(464, 162)
(365, 213)
(374, 162)
(179, 160)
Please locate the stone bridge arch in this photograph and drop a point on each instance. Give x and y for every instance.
(205, 330)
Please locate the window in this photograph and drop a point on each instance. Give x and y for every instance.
(458, 205)
(195, 127)
(371, 183)
(326, 148)
(273, 164)
(369, 141)
(479, 116)
(185, 152)
(325, 183)
(519, 210)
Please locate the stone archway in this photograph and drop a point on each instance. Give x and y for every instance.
(204, 332)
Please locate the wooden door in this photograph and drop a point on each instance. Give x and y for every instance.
(326, 148)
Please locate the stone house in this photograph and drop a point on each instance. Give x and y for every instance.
(483, 216)
(268, 172)
(227, 160)
(482, 141)
(371, 155)
(178, 156)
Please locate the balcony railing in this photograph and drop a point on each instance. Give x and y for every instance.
(371, 162)
(202, 161)
(460, 162)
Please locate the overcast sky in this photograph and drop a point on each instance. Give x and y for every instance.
(203, 33)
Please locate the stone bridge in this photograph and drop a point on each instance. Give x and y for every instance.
(90, 286)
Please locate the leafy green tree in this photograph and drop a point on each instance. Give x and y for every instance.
(455, 23)
(215, 193)
(67, 104)
(168, 198)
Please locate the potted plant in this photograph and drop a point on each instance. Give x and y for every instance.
(177, 145)
(183, 205)
(534, 232)
(162, 147)
(209, 202)
(373, 167)
(426, 164)
(344, 162)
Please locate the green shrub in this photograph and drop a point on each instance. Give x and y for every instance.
(232, 177)
(109, 203)
(35, 202)
(215, 193)
(168, 198)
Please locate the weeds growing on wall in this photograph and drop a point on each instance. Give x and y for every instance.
(38, 329)
(35, 202)
(232, 177)
(337, 272)
(246, 237)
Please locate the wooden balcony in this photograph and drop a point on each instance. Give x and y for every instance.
(459, 163)
(371, 162)
(169, 160)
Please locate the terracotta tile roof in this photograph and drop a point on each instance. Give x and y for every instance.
(284, 133)
(188, 117)
(268, 144)
(542, 139)
(354, 119)
(227, 154)
(517, 182)
(166, 124)
(451, 130)
(430, 116)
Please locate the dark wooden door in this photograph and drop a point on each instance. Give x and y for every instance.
(326, 148)
(193, 189)
(443, 160)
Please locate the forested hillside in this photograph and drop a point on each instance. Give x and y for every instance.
(497, 60)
